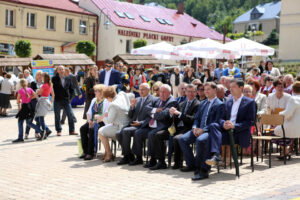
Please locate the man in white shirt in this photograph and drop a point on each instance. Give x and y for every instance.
(109, 76)
(175, 80)
(28, 76)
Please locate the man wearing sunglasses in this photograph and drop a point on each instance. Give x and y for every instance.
(109, 76)
(232, 70)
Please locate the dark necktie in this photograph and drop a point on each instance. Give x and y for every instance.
(160, 106)
(187, 107)
(204, 115)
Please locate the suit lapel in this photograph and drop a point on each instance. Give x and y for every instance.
(239, 110)
(229, 106)
(191, 106)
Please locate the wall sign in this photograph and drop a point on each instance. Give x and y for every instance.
(7, 49)
(149, 36)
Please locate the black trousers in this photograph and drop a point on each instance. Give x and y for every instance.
(87, 138)
(178, 155)
(124, 138)
(158, 144)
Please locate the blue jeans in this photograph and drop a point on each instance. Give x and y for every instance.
(186, 140)
(29, 124)
(58, 105)
(37, 120)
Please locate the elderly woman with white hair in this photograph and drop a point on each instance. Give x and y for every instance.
(288, 83)
(176, 79)
(116, 118)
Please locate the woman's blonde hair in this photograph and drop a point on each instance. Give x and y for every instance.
(90, 68)
(109, 92)
(99, 87)
(23, 83)
(38, 72)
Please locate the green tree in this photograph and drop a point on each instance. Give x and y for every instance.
(86, 47)
(23, 48)
(273, 38)
(139, 43)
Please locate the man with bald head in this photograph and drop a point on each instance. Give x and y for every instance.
(63, 90)
(137, 118)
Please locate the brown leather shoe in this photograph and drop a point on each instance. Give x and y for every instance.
(73, 133)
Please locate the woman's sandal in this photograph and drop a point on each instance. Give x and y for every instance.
(287, 157)
(112, 158)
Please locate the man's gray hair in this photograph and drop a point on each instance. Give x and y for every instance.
(166, 86)
(146, 85)
(191, 86)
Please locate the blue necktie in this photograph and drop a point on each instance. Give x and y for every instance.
(204, 115)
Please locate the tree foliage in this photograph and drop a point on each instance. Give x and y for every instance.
(273, 38)
(139, 43)
(86, 47)
(23, 48)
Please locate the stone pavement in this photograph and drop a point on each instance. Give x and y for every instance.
(51, 170)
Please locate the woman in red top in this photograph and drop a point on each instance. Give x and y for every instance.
(136, 80)
(44, 105)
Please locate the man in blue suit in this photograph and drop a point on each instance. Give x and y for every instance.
(159, 119)
(210, 111)
(109, 76)
(239, 116)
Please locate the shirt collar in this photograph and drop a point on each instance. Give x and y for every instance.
(212, 100)
(239, 99)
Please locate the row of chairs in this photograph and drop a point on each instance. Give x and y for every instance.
(263, 139)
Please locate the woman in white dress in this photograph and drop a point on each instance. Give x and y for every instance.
(115, 119)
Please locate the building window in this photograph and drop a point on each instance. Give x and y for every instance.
(48, 50)
(9, 18)
(161, 21)
(31, 20)
(120, 14)
(69, 25)
(168, 22)
(145, 18)
(128, 15)
(50, 22)
(82, 27)
(128, 46)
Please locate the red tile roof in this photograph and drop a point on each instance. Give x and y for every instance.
(65, 5)
(184, 25)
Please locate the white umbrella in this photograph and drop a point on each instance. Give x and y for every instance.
(206, 48)
(247, 47)
(162, 50)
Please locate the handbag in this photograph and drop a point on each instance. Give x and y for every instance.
(172, 128)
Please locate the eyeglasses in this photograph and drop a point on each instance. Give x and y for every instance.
(250, 83)
(201, 89)
(107, 65)
(230, 62)
(247, 92)
(156, 89)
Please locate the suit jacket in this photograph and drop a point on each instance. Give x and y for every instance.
(163, 118)
(137, 112)
(188, 117)
(215, 113)
(244, 120)
(114, 79)
(261, 102)
(75, 86)
(62, 93)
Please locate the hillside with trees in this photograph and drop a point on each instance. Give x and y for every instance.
(214, 13)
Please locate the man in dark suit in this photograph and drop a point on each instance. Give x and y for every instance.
(160, 120)
(240, 116)
(210, 111)
(183, 119)
(137, 118)
(62, 87)
(76, 92)
(109, 76)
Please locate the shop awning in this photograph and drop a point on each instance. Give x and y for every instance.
(66, 59)
(130, 59)
(7, 62)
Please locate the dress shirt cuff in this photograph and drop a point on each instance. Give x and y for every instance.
(180, 113)
(153, 110)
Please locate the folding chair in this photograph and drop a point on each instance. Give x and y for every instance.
(273, 119)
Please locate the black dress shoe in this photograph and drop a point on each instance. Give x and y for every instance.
(159, 165)
(88, 157)
(82, 156)
(177, 166)
(200, 176)
(123, 161)
(149, 164)
(187, 169)
(17, 141)
(48, 133)
(137, 161)
(214, 160)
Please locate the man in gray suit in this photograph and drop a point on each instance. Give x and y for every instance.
(77, 92)
(160, 120)
(137, 117)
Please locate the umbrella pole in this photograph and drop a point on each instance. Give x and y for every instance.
(197, 66)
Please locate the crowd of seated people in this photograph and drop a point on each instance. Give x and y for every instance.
(144, 109)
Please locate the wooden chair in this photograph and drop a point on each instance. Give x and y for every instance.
(273, 119)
